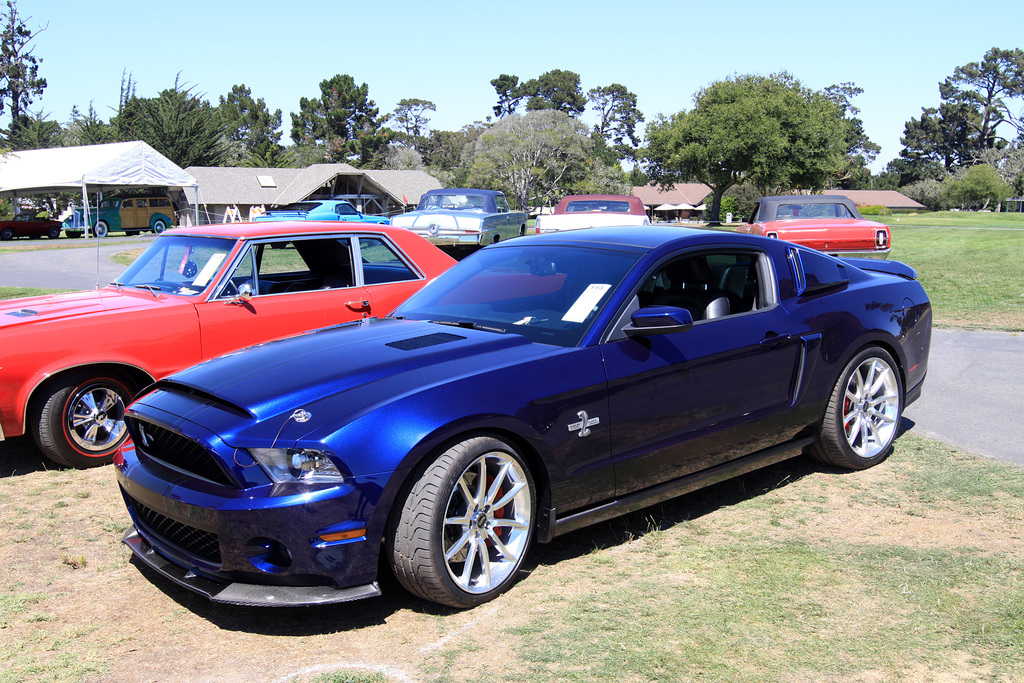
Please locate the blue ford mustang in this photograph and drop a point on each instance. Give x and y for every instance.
(542, 384)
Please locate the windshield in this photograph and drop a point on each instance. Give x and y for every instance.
(178, 264)
(548, 294)
(456, 202)
(595, 205)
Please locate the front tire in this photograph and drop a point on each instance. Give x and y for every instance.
(81, 423)
(466, 526)
(863, 415)
(53, 233)
(6, 234)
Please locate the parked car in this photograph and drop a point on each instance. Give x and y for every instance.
(320, 210)
(828, 223)
(462, 216)
(131, 214)
(540, 385)
(27, 225)
(72, 362)
(591, 211)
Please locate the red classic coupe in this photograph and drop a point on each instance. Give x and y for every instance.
(72, 362)
(829, 223)
(27, 225)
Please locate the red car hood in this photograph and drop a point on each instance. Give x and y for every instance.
(76, 304)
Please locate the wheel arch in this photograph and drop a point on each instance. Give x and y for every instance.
(428, 449)
(40, 391)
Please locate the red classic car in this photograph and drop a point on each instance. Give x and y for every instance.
(27, 225)
(577, 211)
(828, 223)
(72, 362)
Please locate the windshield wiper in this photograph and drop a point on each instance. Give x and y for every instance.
(469, 324)
(117, 284)
(152, 288)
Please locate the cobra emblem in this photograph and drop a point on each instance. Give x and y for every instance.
(585, 423)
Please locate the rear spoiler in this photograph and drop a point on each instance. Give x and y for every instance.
(880, 266)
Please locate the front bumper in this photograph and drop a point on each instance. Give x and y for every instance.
(238, 593)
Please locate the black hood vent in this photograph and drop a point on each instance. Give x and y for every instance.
(423, 342)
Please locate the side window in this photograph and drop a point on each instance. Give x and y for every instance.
(711, 285)
(140, 203)
(288, 266)
(502, 203)
(754, 217)
(345, 210)
(381, 263)
(126, 204)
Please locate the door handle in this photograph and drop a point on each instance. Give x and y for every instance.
(775, 340)
(358, 305)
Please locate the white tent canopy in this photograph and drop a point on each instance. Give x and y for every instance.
(96, 167)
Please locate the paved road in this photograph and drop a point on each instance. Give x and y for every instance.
(66, 268)
(973, 397)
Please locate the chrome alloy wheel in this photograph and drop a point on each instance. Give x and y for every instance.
(487, 522)
(95, 418)
(871, 408)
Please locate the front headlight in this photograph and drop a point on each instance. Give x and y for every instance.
(297, 465)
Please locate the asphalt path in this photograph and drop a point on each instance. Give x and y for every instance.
(68, 268)
(973, 396)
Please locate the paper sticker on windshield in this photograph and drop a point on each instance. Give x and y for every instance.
(585, 303)
(209, 270)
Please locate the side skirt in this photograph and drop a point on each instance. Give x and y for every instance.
(667, 491)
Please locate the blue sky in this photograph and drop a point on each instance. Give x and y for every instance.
(448, 51)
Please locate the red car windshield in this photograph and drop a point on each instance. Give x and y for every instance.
(178, 264)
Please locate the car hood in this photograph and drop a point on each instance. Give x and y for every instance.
(336, 374)
(52, 307)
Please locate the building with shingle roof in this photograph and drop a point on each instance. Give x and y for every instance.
(225, 190)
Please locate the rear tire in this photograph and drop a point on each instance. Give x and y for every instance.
(863, 415)
(80, 423)
(159, 225)
(464, 529)
(7, 234)
(102, 229)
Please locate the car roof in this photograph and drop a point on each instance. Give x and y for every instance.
(462, 190)
(637, 238)
(280, 228)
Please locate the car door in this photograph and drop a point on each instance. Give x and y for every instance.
(683, 402)
(296, 284)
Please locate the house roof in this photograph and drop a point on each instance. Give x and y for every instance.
(890, 199)
(680, 193)
(251, 186)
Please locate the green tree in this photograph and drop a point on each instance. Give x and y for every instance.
(249, 126)
(555, 89)
(87, 129)
(860, 151)
(617, 118)
(342, 125)
(411, 118)
(987, 88)
(19, 67)
(927, 192)
(510, 94)
(770, 130)
(532, 157)
(975, 187)
(33, 131)
(178, 123)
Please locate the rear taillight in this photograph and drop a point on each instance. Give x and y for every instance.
(881, 239)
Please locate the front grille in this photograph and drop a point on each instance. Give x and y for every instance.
(176, 450)
(202, 544)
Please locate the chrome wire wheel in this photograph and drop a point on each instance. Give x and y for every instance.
(871, 408)
(487, 523)
(95, 418)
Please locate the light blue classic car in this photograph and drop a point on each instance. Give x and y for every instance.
(462, 216)
(320, 210)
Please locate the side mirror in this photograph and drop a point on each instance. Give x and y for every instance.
(245, 292)
(658, 320)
